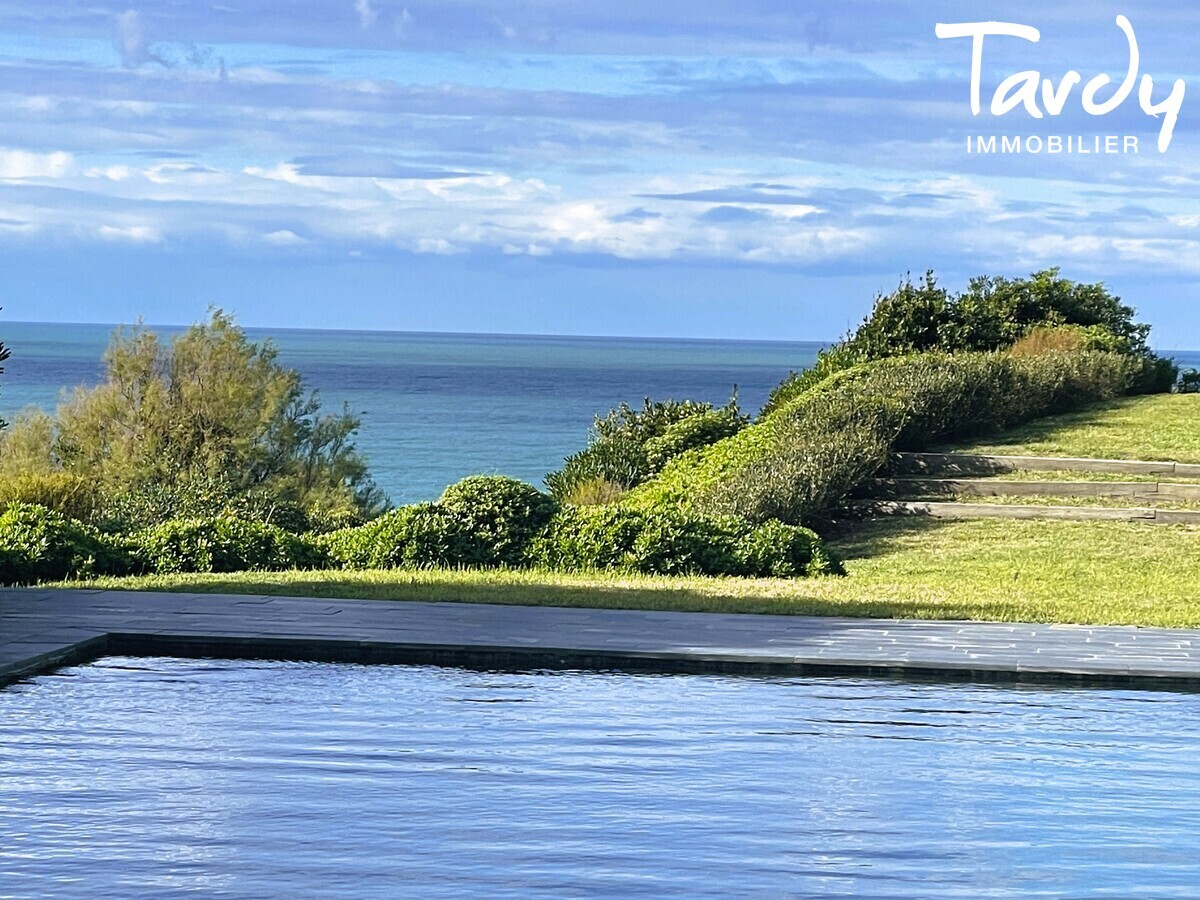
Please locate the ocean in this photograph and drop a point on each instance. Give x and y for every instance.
(438, 407)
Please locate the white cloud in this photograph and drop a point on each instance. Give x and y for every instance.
(112, 173)
(137, 233)
(367, 16)
(284, 238)
(131, 42)
(23, 164)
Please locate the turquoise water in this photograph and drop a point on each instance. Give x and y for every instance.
(437, 407)
(165, 777)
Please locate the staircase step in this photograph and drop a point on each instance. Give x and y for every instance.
(939, 510)
(898, 488)
(978, 464)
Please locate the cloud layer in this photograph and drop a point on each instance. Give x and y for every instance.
(825, 140)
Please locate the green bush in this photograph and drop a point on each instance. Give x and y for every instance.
(221, 544)
(699, 430)
(420, 536)
(830, 361)
(630, 445)
(71, 495)
(615, 461)
(177, 429)
(1159, 375)
(204, 496)
(38, 544)
(798, 463)
(776, 550)
(499, 515)
(1189, 381)
(1041, 313)
(666, 542)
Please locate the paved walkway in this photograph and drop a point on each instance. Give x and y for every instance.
(41, 629)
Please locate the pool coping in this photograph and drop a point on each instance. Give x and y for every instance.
(43, 629)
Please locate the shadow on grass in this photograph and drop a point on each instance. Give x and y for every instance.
(883, 536)
(808, 597)
(1045, 429)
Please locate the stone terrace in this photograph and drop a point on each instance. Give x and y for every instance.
(41, 629)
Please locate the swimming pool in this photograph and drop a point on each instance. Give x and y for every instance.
(158, 776)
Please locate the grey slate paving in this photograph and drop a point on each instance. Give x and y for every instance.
(41, 629)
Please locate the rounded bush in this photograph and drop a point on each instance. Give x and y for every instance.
(420, 536)
(661, 542)
(38, 544)
(222, 544)
(501, 516)
(776, 550)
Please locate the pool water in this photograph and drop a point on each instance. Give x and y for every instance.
(163, 777)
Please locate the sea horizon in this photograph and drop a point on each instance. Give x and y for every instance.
(438, 406)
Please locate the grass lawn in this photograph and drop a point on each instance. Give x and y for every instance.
(1068, 475)
(1045, 500)
(913, 567)
(1028, 571)
(1160, 427)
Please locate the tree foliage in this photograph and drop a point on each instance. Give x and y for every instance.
(206, 419)
(993, 313)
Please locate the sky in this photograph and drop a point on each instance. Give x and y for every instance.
(745, 169)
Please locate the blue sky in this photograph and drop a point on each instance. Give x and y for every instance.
(752, 169)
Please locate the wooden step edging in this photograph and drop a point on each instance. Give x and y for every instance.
(982, 464)
(898, 488)
(939, 510)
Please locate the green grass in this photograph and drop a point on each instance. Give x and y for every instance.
(1043, 500)
(1070, 475)
(1028, 571)
(915, 567)
(1160, 427)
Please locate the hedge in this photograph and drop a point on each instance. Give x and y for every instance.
(221, 544)
(800, 461)
(37, 544)
(586, 538)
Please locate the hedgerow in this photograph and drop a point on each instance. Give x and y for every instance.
(799, 462)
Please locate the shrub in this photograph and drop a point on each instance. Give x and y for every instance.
(209, 410)
(1189, 381)
(420, 536)
(501, 515)
(628, 446)
(699, 430)
(776, 550)
(1159, 375)
(830, 361)
(221, 544)
(71, 495)
(668, 542)
(38, 544)
(1066, 338)
(1039, 314)
(798, 463)
(617, 461)
(595, 492)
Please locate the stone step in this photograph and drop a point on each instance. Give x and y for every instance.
(939, 510)
(978, 464)
(899, 488)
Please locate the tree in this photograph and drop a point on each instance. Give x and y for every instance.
(992, 314)
(211, 416)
